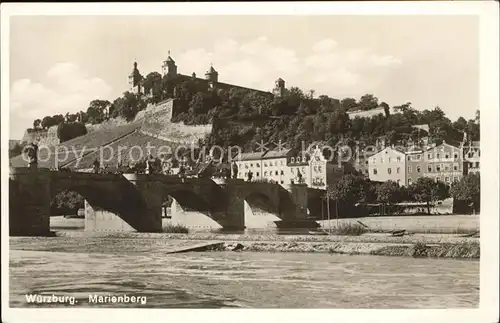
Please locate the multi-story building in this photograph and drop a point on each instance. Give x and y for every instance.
(472, 154)
(441, 163)
(300, 172)
(415, 165)
(388, 164)
(323, 171)
(444, 163)
(275, 168)
(289, 167)
(249, 162)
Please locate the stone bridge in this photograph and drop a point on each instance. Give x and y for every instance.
(137, 199)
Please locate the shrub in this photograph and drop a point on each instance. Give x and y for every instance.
(175, 228)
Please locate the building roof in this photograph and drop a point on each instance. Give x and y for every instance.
(250, 156)
(276, 154)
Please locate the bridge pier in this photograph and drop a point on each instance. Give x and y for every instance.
(29, 202)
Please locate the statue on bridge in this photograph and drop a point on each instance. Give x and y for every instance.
(250, 176)
(234, 170)
(96, 166)
(32, 154)
(300, 179)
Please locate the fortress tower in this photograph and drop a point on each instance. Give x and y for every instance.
(279, 89)
(135, 80)
(169, 68)
(212, 75)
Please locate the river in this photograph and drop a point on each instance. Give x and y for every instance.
(240, 279)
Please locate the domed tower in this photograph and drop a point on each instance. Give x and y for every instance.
(279, 89)
(212, 75)
(134, 80)
(169, 68)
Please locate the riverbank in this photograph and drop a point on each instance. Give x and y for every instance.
(415, 245)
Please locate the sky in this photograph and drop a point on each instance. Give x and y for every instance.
(59, 64)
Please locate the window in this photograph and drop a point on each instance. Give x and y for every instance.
(438, 168)
(258, 165)
(366, 162)
(409, 157)
(437, 156)
(398, 159)
(246, 174)
(239, 174)
(446, 156)
(298, 159)
(303, 170)
(366, 171)
(471, 165)
(282, 182)
(265, 164)
(447, 179)
(251, 165)
(375, 171)
(265, 173)
(455, 155)
(389, 159)
(389, 170)
(257, 174)
(275, 172)
(381, 159)
(282, 173)
(246, 166)
(446, 167)
(418, 169)
(409, 169)
(477, 164)
(397, 170)
(292, 170)
(470, 155)
(429, 169)
(429, 156)
(319, 168)
(315, 168)
(409, 181)
(455, 167)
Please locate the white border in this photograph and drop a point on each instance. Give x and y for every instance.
(489, 103)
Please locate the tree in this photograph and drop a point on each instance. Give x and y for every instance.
(468, 189)
(58, 118)
(389, 193)
(349, 189)
(429, 191)
(37, 123)
(69, 130)
(48, 122)
(348, 104)
(368, 102)
(67, 201)
(97, 110)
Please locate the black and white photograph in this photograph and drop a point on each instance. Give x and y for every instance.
(250, 156)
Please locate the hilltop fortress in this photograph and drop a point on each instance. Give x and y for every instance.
(169, 70)
(156, 118)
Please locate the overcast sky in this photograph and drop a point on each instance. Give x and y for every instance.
(59, 64)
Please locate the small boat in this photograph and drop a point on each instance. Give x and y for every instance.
(398, 233)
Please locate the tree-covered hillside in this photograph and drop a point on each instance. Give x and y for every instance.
(244, 117)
